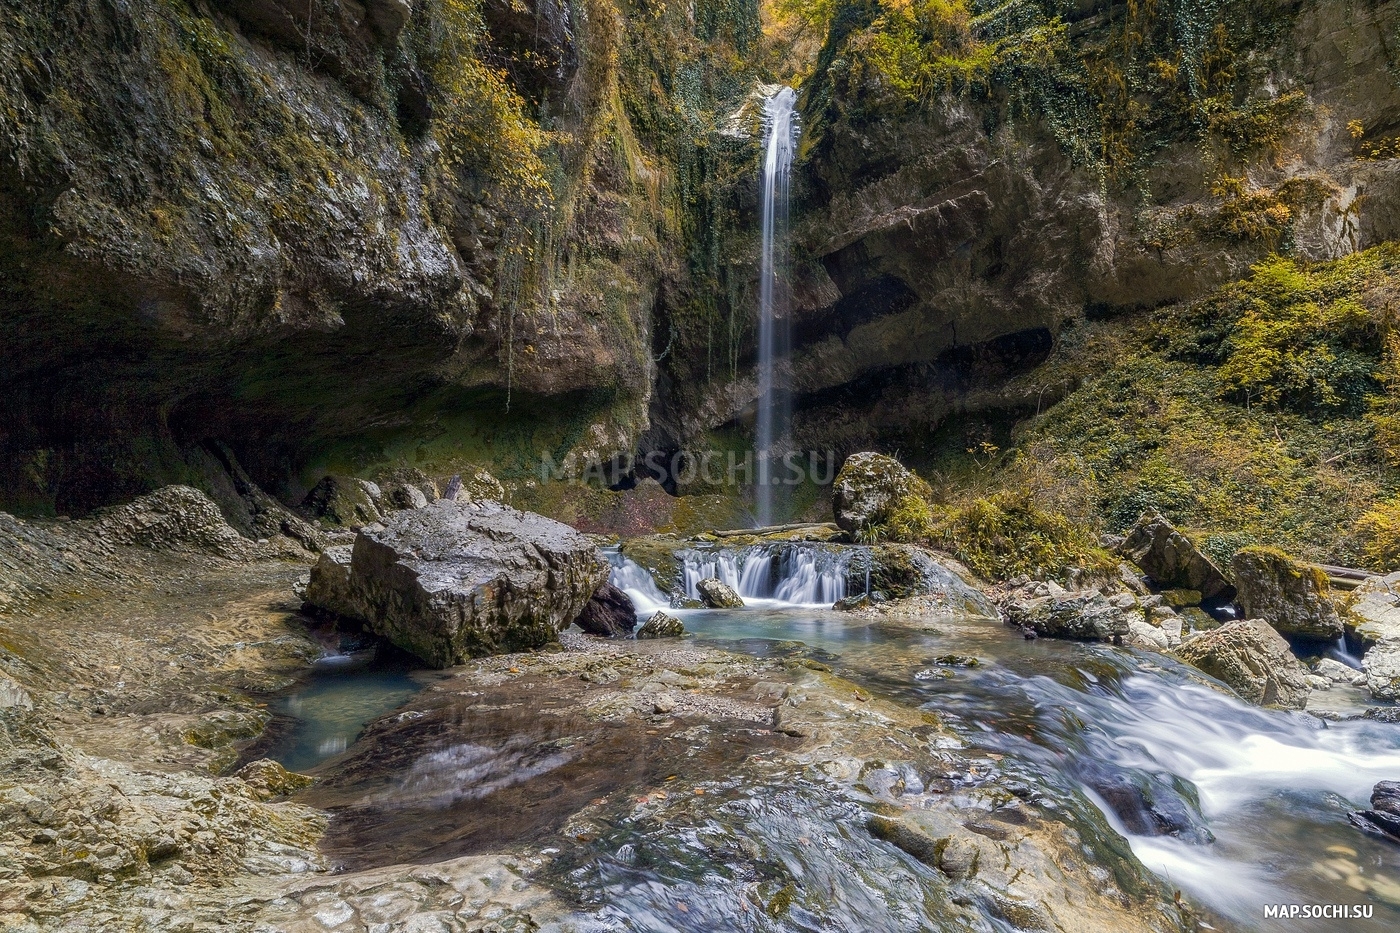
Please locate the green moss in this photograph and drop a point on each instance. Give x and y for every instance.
(1257, 415)
(1008, 534)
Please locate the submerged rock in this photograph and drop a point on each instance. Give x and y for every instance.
(661, 625)
(454, 581)
(176, 518)
(870, 489)
(608, 614)
(344, 500)
(716, 594)
(1290, 595)
(1254, 660)
(1171, 559)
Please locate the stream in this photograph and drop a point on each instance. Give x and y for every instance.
(1236, 806)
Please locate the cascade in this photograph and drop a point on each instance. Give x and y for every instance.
(786, 574)
(780, 142)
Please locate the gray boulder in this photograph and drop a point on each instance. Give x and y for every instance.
(1254, 660)
(329, 585)
(454, 581)
(1373, 617)
(1171, 560)
(1381, 665)
(716, 594)
(175, 518)
(1290, 595)
(661, 625)
(1086, 616)
(608, 614)
(869, 488)
(1373, 610)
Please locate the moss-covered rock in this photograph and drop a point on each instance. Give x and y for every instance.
(1292, 596)
(876, 498)
(344, 500)
(1171, 559)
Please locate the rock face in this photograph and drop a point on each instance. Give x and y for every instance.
(1381, 666)
(1254, 660)
(870, 488)
(176, 518)
(454, 581)
(661, 625)
(716, 594)
(1373, 617)
(344, 500)
(609, 613)
(1171, 560)
(1383, 819)
(1290, 595)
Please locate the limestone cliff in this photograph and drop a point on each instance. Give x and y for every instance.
(327, 232)
(974, 176)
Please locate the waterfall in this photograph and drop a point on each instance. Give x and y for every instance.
(787, 574)
(633, 580)
(780, 139)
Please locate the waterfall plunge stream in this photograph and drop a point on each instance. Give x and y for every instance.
(780, 142)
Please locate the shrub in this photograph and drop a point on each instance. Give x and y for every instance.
(1007, 534)
(1379, 530)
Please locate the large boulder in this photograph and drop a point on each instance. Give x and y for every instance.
(344, 500)
(454, 581)
(1171, 559)
(871, 489)
(1085, 616)
(1372, 616)
(608, 614)
(1381, 665)
(1373, 610)
(1254, 660)
(716, 594)
(175, 518)
(1290, 595)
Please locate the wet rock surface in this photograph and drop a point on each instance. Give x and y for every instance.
(718, 595)
(455, 580)
(609, 613)
(661, 625)
(1383, 819)
(1254, 660)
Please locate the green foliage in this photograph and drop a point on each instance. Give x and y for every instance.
(1266, 413)
(1114, 93)
(1298, 336)
(1379, 531)
(1008, 533)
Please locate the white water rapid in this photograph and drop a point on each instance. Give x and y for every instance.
(780, 142)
